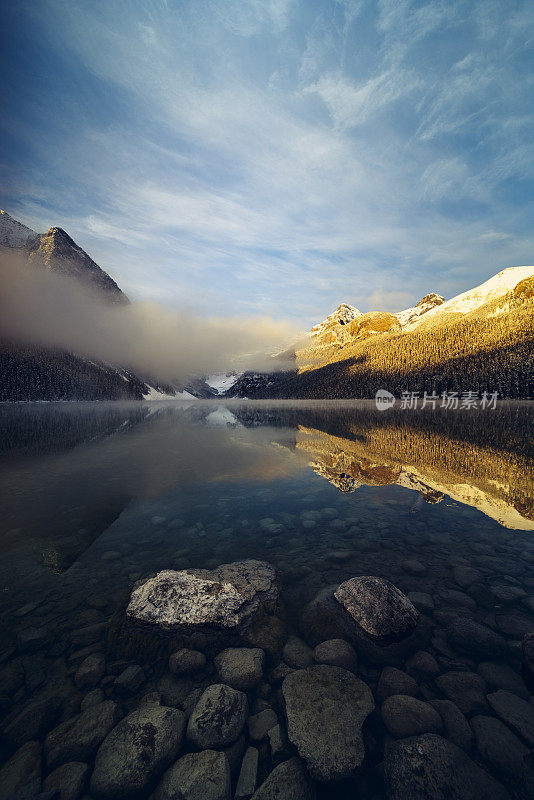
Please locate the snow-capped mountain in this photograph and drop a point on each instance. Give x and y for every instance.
(426, 304)
(497, 287)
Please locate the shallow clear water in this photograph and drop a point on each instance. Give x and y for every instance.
(96, 496)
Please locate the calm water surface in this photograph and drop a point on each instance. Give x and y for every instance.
(96, 496)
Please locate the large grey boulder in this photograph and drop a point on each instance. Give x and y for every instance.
(196, 776)
(77, 738)
(429, 767)
(140, 747)
(378, 607)
(226, 597)
(326, 708)
(218, 718)
(287, 781)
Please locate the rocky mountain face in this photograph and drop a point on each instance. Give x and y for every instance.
(31, 372)
(57, 252)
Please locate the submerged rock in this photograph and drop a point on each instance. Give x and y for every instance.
(378, 607)
(77, 738)
(404, 715)
(475, 639)
(240, 667)
(515, 712)
(218, 718)
(137, 749)
(289, 781)
(498, 746)
(429, 767)
(527, 647)
(226, 597)
(22, 773)
(324, 617)
(336, 653)
(326, 708)
(70, 779)
(196, 776)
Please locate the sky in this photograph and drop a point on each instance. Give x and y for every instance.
(275, 157)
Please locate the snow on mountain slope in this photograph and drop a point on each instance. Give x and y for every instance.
(494, 288)
(222, 382)
(341, 316)
(13, 233)
(424, 305)
(155, 394)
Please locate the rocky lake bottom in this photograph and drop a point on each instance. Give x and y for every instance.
(222, 602)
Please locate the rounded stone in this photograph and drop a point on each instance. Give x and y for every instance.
(406, 716)
(326, 708)
(475, 639)
(297, 654)
(140, 747)
(455, 726)
(218, 718)
(395, 681)
(90, 671)
(70, 779)
(186, 662)
(289, 781)
(422, 663)
(240, 667)
(428, 766)
(196, 776)
(378, 607)
(466, 689)
(22, 772)
(517, 713)
(78, 737)
(336, 653)
(498, 746)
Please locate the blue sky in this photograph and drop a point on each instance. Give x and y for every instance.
(273, 156)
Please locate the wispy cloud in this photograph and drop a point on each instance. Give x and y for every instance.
(278, 156)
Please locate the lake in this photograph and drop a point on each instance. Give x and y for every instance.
(96, 497)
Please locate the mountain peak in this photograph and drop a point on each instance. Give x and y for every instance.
(57, 252)
(14, 233)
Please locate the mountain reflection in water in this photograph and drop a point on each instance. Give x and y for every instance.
(69, 470)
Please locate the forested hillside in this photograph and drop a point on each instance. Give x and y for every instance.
(491, 350)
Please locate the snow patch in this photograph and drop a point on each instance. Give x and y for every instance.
(222, 381)
(155, 394)
(221, 416)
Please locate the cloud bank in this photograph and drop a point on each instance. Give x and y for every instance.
(39, 307)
